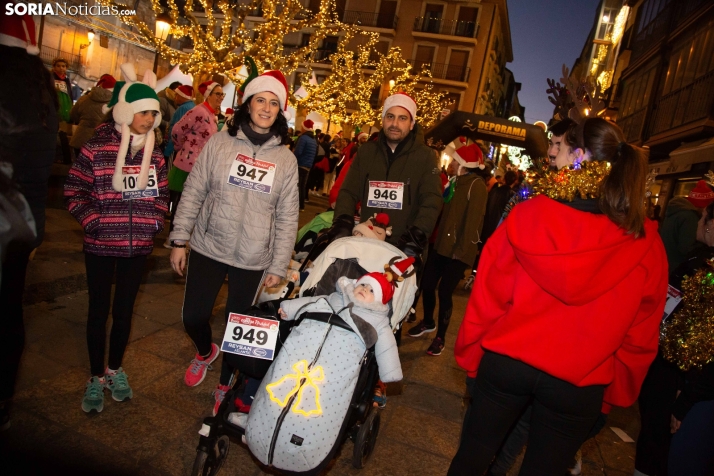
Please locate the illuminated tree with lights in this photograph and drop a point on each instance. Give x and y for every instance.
(357, 70)
(221, 39)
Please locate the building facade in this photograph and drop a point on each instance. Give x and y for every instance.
(661, 89)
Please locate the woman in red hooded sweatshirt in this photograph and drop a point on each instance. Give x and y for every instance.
(565, 311)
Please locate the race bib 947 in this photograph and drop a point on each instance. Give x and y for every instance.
(252, 174)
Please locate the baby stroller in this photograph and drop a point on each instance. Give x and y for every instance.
(351, 257)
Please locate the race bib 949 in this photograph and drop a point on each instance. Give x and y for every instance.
(250, 336)
(385, 195)
(252, 174)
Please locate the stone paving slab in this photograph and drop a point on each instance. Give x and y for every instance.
(156, 432)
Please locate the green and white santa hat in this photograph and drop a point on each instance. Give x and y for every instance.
(129, 98)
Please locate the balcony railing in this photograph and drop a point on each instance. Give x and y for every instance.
(443, 71)
(633, 124)
(688, 104)
(468, 29)
(377, 20)
(48, 55)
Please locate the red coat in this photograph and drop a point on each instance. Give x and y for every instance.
(571, 294)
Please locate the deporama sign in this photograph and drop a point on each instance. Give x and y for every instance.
(493, 129)
(513, 132)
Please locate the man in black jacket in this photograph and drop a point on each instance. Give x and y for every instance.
(27, 140)
(397, 174)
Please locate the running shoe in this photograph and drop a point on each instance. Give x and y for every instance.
(219, 394)
(196, 372)
(93, 399)
(421, 329)
(437, 345)
(118, 384)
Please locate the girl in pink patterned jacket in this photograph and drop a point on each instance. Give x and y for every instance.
(190, 134)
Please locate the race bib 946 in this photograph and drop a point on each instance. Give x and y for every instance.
(385, 195)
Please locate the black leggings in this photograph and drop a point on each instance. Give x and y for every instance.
(204, 279)
(450, 272)
(562, 416)
(12, 328)
(100, 274)
(174, 198)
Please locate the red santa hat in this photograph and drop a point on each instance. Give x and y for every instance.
(185, 92)
(382, 288)
(18, 31)
(271, 81)
(308, 124)
(229, 111)
(402, 268)
(363, 134)
(401, 100)
(107, 81)
(470, 156)
(206, 87)
(701, 195)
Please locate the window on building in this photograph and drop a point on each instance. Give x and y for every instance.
(432, 17)
(387, 12)
(104, 41)
(458, 63)
(691, 58)
(637, 91)
(451, 99)
(648, 11)
(606, 23)
(424, 56)
(466, 25)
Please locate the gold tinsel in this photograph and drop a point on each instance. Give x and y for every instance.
(687, 337)
(567, 184)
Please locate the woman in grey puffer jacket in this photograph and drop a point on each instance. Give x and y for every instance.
(240, 210)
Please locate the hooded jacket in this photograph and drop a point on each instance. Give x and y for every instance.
(679, 231)
(306, 149)
(113, 226)
(242, 228)
(87, 113)
(375, 314)
(569, 293)
(462, 220)
(415, 166)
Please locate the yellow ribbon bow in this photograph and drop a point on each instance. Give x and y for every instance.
(304, 379)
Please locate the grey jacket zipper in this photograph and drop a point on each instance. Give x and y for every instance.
(286, 409)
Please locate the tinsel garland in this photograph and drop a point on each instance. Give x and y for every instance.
(567, 184)
(687, 337)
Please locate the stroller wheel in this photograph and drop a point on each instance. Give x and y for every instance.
(208, 464)
(366, 439)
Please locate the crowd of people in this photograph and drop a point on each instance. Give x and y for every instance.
(570, 286)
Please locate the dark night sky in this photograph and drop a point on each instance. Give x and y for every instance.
(546, 34)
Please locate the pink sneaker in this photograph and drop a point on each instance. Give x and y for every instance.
(219, 394)
(199, 366)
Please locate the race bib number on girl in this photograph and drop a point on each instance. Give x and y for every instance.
(385, 195)
(250, 336)
(674, 297)
(130, 183)
(252, 174)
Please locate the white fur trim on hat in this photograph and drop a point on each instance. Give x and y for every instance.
(267, 83)
(210, 88)
(376, 287)
(401, 100)
(123, 114)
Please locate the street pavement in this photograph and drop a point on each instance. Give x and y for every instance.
(157, 431)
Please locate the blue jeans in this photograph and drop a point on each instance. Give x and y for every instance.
(690, 452)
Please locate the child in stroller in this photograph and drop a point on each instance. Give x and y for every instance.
(326, 370)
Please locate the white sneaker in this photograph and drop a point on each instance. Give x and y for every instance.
(238, 419)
